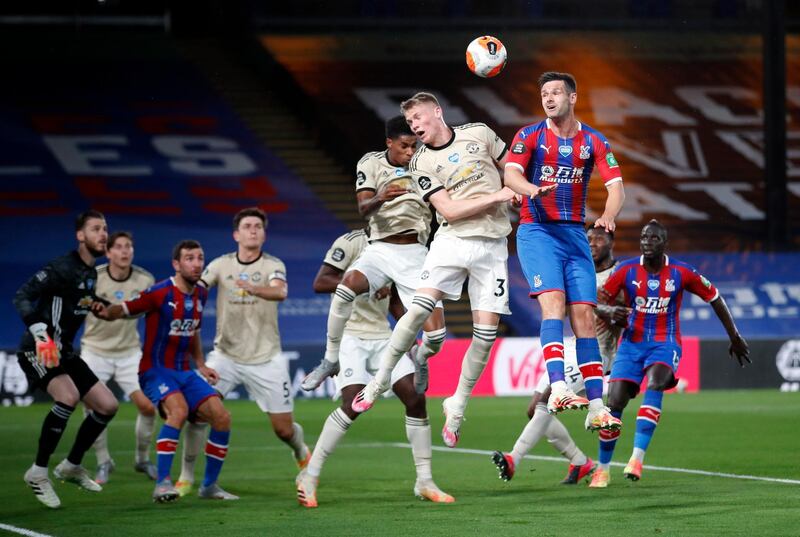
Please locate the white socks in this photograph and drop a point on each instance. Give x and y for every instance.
(403, 337)
(431, 343)
(341, 308)
(334, 430)
(193, 443)
(418, 432)
(473, 363)
(297, 441)
(547, 425)
(145, 425)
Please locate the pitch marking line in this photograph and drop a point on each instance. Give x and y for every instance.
(561, 459)
(22, 531)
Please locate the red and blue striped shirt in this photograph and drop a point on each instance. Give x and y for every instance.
(173, 318)
(545, 159)
(655, 298)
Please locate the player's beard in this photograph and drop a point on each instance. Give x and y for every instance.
(92, 249)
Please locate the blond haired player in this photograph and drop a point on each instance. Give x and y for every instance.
(365, 336)
(456, 171)
(247, 348)
(398, 231)
(113, 350)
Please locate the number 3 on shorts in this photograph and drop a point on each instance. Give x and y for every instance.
(500, 291)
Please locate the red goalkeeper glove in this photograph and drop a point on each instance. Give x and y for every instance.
(46, 349)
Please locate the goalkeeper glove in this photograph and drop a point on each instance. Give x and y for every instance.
(46, 349)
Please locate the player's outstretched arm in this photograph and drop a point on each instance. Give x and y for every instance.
(614, 201)
(454, 210)
(277, 289)
(108, 312)
(514, 180)
(738, 348)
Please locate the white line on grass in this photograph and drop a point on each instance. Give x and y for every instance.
(561, 459)
(22, 531)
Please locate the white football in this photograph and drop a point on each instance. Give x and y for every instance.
(486, 56)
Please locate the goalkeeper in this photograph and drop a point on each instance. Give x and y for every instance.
(53, 303)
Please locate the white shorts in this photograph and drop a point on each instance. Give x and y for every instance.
(359, 360)
(124, 371)
(267, 383)
(384, 263)
(452, 259)
(572, 374)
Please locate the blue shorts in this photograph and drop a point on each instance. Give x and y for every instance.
(633, 359)
(556, 257)
(158, 383)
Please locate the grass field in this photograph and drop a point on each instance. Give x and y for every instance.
(366, 487)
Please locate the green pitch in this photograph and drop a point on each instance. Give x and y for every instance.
(366, 487)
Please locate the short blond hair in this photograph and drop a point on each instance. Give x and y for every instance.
(421, 97)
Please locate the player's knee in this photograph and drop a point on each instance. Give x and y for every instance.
(147, 410)
(421, 308)
(222, 420)
(616, 402)
(284, 431)
(177, 415)
(415, 406)
(483, 336)
(434, 339)
(582, 320)
(107, 406)
(658, 385)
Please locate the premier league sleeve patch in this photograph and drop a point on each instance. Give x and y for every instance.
(518, 149)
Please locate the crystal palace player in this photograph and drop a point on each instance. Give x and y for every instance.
(609, 322)
(174, 309)
(53, 303)
(651, 344)
(551, 242)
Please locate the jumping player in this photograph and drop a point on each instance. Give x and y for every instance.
(398, 231)
(551, 242)
(456, 172)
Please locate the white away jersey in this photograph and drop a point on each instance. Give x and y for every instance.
(465, 168)
(405, 214)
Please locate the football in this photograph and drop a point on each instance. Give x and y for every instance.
(486, 56)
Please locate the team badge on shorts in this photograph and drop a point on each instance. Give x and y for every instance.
(537, 281)
(425, 275)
